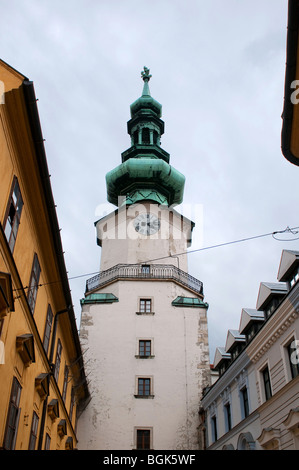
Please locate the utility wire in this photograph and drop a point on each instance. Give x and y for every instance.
(293, 231)
(287, 230)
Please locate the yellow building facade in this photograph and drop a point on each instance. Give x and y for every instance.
(42, 380)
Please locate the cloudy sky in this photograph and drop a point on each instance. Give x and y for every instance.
(218, 70)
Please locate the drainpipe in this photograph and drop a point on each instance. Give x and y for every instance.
(45, 404)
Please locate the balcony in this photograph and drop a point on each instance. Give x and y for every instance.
(164, 272)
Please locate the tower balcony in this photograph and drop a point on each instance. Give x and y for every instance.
(145, 272)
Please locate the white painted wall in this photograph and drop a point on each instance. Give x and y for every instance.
(179, 369)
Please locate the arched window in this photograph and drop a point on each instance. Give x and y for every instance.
(246, 442)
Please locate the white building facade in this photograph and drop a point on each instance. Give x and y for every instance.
(144, 319)
(255, 402)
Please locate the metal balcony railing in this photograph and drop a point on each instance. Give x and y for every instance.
(144, 272)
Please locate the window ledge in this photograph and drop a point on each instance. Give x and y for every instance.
(144, 396)
(145, 313)
(144, 357)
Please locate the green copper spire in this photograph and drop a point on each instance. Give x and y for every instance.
(146, 78)
(145, 173)
(146, 104)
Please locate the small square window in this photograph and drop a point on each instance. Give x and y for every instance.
(144, 387)
(145, 348)
(145, 306)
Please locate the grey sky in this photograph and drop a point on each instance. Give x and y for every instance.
(218, 70)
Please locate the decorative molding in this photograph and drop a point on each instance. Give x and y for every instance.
(275, 336)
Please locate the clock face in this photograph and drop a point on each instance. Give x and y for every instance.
(146, 224)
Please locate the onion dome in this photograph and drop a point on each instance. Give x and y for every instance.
(145, 173)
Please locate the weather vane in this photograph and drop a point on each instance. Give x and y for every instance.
(145, 74)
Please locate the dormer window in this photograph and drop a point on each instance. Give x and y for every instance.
(252, 330)
(294, 277)
(271, 306)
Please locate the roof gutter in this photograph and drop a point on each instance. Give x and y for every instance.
(38, 140)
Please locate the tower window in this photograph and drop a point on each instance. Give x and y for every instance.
(145, 305)
(145, 347)
(135, 137)
(145, 269)
(145, 136)
(144, 387)
(143, 438)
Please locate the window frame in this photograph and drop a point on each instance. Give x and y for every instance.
(17, 204)
(65, 381)
(142, 431)
(13, 416)
(33, 431)
(47, 442)
(144, 387)
(33, 283)
(48, 329)
(228, 416)
(266, 382)
(57, 360)
(214, 430)
(72, 403)
(244, 402)
(145, 348)
(145, 305)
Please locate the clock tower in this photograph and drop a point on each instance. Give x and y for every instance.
(144, 321)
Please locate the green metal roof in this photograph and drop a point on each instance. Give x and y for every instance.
(102, 298)
(145, 173)
(192, 302)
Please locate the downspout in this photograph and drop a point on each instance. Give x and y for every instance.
(45, 404)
